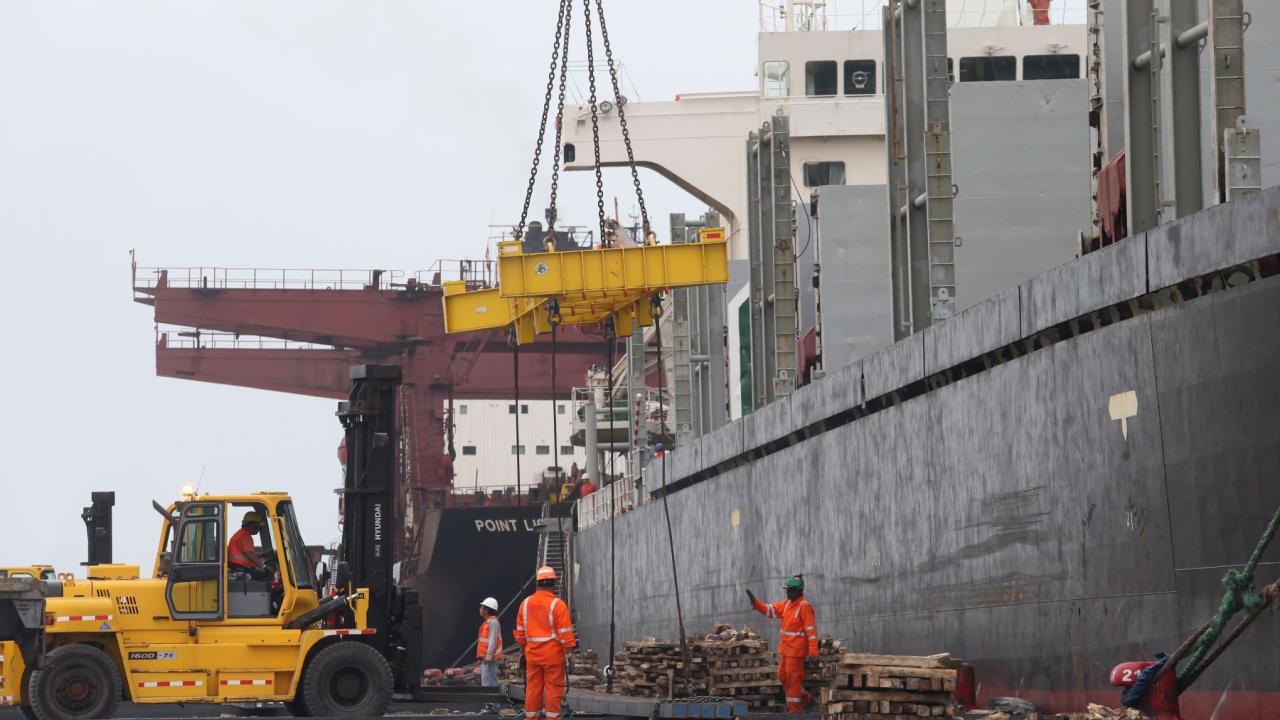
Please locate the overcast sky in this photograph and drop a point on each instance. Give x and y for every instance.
(255, 133)
(258, 133)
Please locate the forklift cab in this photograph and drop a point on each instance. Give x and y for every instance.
(201, 585)
(39, 572)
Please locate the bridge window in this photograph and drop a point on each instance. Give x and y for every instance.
(817, 174)
(462, 409)
(859, 77)
(570, 152)
(468, 449)
(777, 78)
(542, 450)
(988, 68)
(517, 449)
(1050, 67)
(820, 77)
(560, 409)
(566, 449)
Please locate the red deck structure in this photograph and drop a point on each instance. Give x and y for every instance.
(301, 331)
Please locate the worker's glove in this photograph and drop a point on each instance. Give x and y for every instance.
(568, 666)
(523, 663)
(752, 597)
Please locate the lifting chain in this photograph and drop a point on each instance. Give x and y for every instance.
(560, 62)
(562, 34)
(595, 124)
(554, 318)
(622, 123)
(555, 165)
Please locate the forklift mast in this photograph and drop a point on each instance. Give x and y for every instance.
(371, 519)
(97, 523)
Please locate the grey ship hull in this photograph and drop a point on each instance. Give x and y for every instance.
(968, 490)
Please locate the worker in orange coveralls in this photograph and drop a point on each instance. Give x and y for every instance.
(799, 640)
(546, 635)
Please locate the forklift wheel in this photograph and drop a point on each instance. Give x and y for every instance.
(347, 679)
(25, 708)
(78, 682)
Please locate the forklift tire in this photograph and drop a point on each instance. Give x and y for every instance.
(25, 708)
(78, 682)
(347, 679)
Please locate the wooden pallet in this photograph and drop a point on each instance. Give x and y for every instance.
(880, 686)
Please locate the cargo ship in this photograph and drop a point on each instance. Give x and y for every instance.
(1050, 482)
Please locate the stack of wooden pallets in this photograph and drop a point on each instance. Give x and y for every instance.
(820, 671)
(876, 687)
(655, 668)
(739, 665)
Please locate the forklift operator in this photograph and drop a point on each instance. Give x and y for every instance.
(242, 556)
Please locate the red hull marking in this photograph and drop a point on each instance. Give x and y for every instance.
(1196, 704)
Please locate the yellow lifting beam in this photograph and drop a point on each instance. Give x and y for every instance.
(587, 286)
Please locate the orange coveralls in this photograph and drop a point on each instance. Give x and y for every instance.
(240, 551)
(545, 633)
(799, 640)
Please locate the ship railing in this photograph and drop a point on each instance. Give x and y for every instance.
(477, 274)
(617, 420)
(197, 339)
(582, 236)
(613, 499)
(146, 279)
(827, 15)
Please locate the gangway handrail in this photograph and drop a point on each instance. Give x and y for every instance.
(613, 499)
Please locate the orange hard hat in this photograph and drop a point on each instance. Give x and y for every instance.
(546, 572)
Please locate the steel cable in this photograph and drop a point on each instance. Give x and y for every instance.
(666, 510)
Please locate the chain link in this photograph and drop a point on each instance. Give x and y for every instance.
(562, 32)
(552, 213)
(622, 122)
(560, 61)
(595, 122)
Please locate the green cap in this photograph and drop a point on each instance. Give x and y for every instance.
(796, 582)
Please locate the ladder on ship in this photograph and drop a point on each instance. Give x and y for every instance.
(554, 548)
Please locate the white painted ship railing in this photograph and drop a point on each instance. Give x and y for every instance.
(614, 499)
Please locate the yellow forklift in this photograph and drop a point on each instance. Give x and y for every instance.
(202, 631)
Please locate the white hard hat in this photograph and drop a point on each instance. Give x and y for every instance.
(490, 603)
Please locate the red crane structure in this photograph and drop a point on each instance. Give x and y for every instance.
(300, 332)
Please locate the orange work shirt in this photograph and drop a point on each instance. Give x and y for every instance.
(490, 636)
(240, 550)
(799, 630)
(544, 630)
